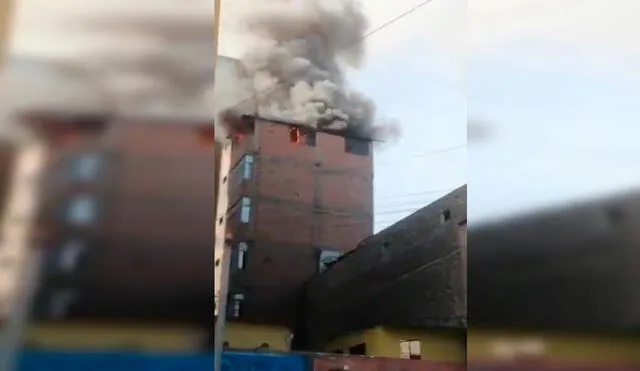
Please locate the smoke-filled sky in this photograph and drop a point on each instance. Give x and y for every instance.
(555, 81)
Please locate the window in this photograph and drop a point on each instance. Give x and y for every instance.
(245, 210)
(81, 211)
(327, 257)
(446, 216)
(247, 167)
(360, 349)
(357, 146)
(70, 255)
(60, 303)
(242, 171)
(87, 167)
(243, 249)
(236, 309)
(299, 136)
(295, 135)
(410, 349)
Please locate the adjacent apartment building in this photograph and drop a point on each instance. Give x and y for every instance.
(124, 224)
(295, 199)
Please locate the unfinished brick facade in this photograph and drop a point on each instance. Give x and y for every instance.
(146, 254)
(305, 198)
(415, 267)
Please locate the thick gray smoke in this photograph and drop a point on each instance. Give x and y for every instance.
(154, 61)
(297, 68)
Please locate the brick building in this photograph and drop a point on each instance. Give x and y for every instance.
(295, 199)
(125, 219)
(416, 267)
(558, 287)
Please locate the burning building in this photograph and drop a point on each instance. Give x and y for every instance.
(557, 289)
(416, 267)
(292, 198)
(124, 229)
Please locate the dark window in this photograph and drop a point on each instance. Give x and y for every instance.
(446, 216)
(360, 349)
(241, 255)
(310, 138)
(357, 146)
(237, 301)
(615, 215)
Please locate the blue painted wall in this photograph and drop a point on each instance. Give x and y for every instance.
(231, 361)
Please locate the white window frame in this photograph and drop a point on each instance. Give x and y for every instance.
(410, 348)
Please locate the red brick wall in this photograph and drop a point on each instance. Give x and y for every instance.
(303, 198)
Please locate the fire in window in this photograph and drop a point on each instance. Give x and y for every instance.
(299, 136)
(295, 135)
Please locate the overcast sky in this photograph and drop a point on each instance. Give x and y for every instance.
(554, 79)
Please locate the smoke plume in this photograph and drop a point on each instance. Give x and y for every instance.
(296, 68)
(156, 61)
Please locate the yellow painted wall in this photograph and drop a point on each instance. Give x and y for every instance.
(114, 336)
(483, 345)
(437, 345)
(245, 336)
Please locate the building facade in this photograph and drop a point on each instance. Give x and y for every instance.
(124, 225)
(296, 199)
(556, 288)
(416, 268)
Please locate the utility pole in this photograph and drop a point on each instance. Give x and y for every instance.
(222, 243)
(18, 233)
(223, 246)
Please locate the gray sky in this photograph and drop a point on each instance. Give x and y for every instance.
(555, 80)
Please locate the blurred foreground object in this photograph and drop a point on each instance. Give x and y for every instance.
(558, 288)
(6, 16)
(108, 183)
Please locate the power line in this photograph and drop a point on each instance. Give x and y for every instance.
(430, 192)
(356, 43)
(424, 154)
